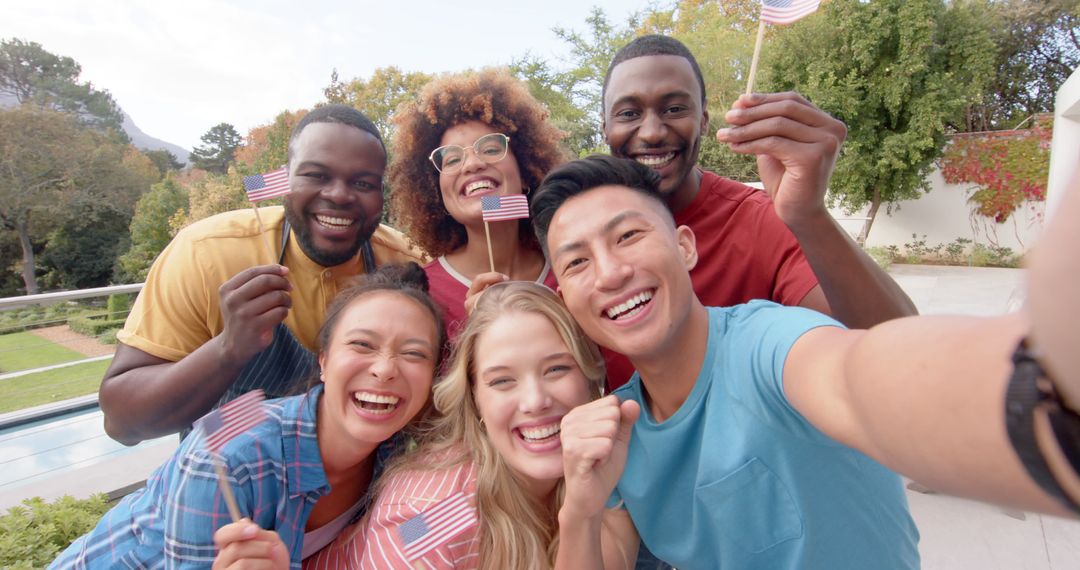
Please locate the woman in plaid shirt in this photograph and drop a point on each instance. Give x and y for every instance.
(305, 471)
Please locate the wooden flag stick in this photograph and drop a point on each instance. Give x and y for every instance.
(262, 230)
(491, 257)
(226, 490)
(757, 54)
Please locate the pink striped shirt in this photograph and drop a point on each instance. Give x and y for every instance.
(377, 542)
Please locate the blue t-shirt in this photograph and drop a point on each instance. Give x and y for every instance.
(737, 478)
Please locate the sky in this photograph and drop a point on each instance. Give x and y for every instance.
(179, 68)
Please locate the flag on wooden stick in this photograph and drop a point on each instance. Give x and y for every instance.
(498, 208)
(225, 423)
(268, 185)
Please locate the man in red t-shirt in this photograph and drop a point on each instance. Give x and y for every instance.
(781, 244)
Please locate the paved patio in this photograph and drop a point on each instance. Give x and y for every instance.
(956, 534)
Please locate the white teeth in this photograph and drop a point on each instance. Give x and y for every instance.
(655, 160)
(474, 186)
(538, 433)
(629, 304)
(333, 221)
(376, 398)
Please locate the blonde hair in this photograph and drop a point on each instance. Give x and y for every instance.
(515, 530)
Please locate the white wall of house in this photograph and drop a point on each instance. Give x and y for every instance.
(943, 215)
(1065, 147)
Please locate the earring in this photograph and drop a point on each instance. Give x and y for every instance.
(321, 379)
(525, 191)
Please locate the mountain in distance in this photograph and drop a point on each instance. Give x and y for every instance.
(138, 138)
(147, 142)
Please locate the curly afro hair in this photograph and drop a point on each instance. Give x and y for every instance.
(491, 96)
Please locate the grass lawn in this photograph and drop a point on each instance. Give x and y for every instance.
(51, 385)
(23, 350)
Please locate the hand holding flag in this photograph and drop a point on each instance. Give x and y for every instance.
(225, 423)
(777, 12)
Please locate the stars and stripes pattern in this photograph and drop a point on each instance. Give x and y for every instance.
(268, 185)
(232, 419)
(437, 525)
(787, 11)
(498, 208)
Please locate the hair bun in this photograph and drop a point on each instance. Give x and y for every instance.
(408, 274)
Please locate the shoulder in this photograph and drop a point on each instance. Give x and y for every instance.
(391, 246)
(232, 225)
(715, 187)
(761, 314)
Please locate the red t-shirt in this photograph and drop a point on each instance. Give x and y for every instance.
(745, 252)
(448, 289)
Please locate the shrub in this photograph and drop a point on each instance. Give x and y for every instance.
(94, 325)
(34, 533)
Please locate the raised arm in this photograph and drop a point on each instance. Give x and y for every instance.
(796, 146)
(595, 437)
(143, 396)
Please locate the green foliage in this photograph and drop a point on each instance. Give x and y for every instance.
(1005, 167)
(219, 149)
(33, 75)
(149, 230)
(163, 160)
(118, 306)
(897, 72)
(34, 533)
(379, 96)
(1037, 49)
(961, 251)
(95, 325)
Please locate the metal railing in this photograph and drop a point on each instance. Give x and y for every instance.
(39, 378)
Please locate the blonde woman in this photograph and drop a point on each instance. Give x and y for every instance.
(491, 461)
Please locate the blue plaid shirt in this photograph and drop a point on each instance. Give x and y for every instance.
(275, 471)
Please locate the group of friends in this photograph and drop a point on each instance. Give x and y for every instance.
(451, 416)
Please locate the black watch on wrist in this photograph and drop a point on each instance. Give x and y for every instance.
(1030, 388)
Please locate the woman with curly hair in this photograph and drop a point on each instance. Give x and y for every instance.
(470, 135)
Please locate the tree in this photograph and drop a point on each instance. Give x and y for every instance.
(219, 150)
(92, 231)
(33, 75)
(163, 160)
(379, 96)
(53, 168)
(151, 229)
(266, 147)
(1037, 49)
(897, 72)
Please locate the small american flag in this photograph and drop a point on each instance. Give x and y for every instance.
(232, 419)
(787, 11)
(437, 525)
(497, 208)
(266, 186)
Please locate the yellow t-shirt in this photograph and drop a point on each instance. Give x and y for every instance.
(178, 309)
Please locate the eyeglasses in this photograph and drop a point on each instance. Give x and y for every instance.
(488, 148)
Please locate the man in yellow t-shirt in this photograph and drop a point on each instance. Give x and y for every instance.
(222, 313)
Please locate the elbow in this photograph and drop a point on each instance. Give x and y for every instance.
(116, 425)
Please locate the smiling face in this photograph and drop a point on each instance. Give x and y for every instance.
(623, 269)
(653, 114)
(335, 174)
(462, 189)
(526, 380)
(377, 368)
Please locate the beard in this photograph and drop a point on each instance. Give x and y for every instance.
(324, 257)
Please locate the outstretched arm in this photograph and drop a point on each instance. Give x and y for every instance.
(796, 146)
(143, 396)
